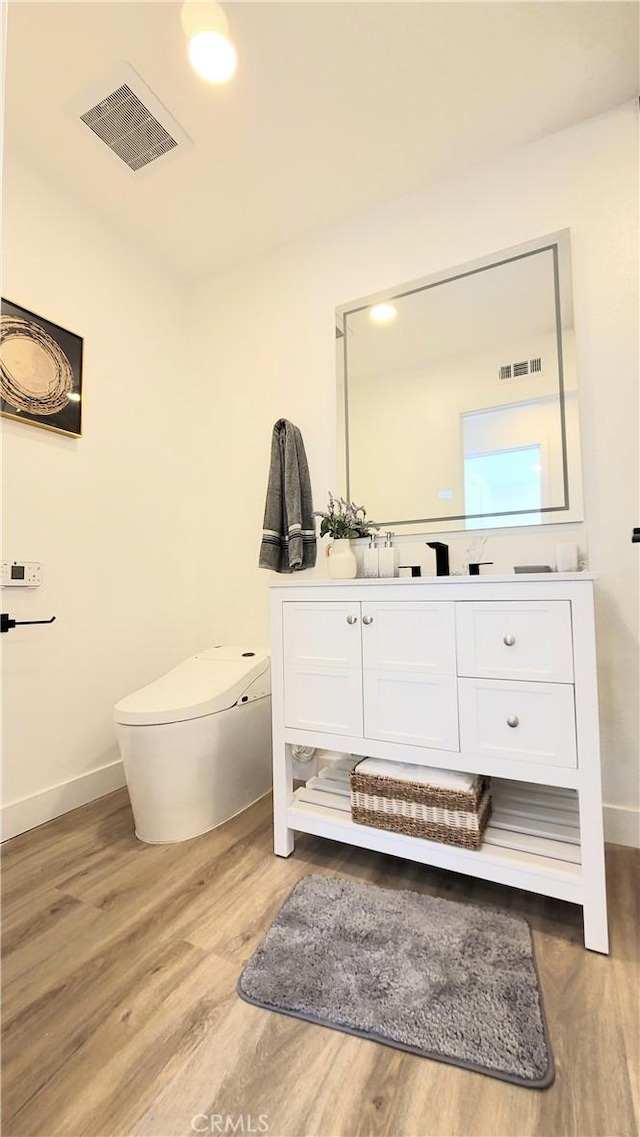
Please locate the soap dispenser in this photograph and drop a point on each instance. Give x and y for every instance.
(387, 558)
(371, 558)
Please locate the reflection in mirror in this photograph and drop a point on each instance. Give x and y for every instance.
(459, 395)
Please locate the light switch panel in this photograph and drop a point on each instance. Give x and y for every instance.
(21, 574)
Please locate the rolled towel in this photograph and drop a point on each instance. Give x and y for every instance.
(423, 775)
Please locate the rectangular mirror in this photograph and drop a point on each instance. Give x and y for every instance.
(458, 395)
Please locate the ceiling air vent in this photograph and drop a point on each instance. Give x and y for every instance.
(128, 128)
(128, 118)
(519, 369)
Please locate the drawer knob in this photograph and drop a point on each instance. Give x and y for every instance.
(513, 720)
(509, 640)
(367, 620)
(352, 619)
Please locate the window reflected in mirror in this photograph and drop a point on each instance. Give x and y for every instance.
(499, 483)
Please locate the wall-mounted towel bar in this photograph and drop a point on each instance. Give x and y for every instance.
(6, 623)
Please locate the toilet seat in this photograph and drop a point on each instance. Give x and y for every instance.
(208, 682)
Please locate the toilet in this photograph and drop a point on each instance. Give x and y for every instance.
(196, 743)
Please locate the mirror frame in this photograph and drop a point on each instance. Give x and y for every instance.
(560, 246)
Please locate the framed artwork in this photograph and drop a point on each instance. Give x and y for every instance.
(40, 371)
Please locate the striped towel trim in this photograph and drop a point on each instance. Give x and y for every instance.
(279, 539)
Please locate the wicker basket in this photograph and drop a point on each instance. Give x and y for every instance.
(454, 817)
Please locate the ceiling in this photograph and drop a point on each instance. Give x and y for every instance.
(336, 107)
(492, 310)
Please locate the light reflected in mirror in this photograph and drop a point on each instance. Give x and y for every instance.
(461, 410)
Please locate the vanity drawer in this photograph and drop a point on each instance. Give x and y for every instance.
(515, 640)
(526, 722)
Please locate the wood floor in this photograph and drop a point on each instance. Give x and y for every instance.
(121, 1016)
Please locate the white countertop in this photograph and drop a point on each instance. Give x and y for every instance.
(297, 580)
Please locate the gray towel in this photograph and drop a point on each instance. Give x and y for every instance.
(289, 536)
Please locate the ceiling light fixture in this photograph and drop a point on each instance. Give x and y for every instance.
(382, 313)
(211, 53)
(213, 57)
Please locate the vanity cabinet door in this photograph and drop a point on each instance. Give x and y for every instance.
(409, 662)
(413, 707)
(323, 635)
(403, 636)
(323, 667)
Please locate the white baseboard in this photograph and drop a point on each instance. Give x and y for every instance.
(18, 816)
(622, 825)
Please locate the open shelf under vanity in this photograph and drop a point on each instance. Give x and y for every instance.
(534, 831)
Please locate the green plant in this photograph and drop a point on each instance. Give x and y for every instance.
(343, 519)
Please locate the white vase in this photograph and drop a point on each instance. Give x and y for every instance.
(342, 560)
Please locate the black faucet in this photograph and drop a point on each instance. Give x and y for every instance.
(442, 557)
(474, 567)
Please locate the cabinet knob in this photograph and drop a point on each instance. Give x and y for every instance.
(352, 619)
(509, 640)
(513, 720)
(367, 619)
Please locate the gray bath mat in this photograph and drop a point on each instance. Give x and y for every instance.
(445, 980)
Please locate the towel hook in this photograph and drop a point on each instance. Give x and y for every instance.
(6, 623)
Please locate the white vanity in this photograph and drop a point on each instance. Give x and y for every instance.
(490, 675)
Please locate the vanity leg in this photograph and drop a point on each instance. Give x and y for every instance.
(282, 757)
(283, 839)
(594, 884)
(283, 842)
(596, 934)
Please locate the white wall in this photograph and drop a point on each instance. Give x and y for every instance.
(264, 348)
(110, 515)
